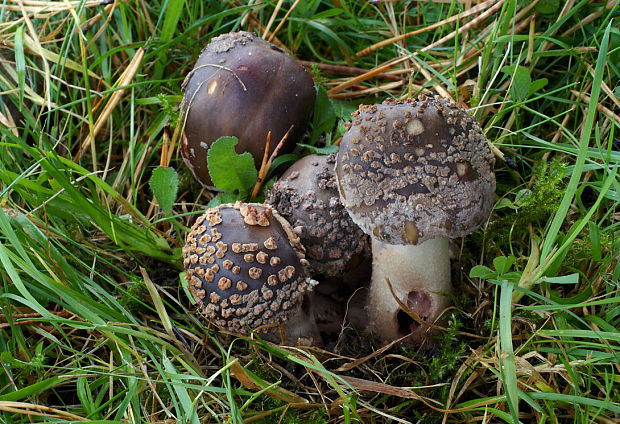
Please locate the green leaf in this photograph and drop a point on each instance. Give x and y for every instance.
(324, 115)
(521, 81)
(228, 170)
(503, 263)
(505, 203)
(164, 185)
(522, 197)
(343, 110)
(521, 84)
(537, 85)
(7, 358)
(223, 198)
(481, 271)
(320, 150)
(287, 158)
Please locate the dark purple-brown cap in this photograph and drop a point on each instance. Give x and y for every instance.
(409, 171)
(307, 196)
(243, 86)
(245, 266)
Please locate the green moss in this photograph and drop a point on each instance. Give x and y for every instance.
(515, 212)
(547, 190)
(169, 108)
(130, 298)
(437, 365)
(444, 358)
(446, 361)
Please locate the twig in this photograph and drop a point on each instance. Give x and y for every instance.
(605, 87)
(30, 409)
(175, 138)
(264, 168)
(374, 387)
(374, 90)
(272, 19)
(164, 160)
(263, 165)
(609, 113)
(273, 390)
(109, 9)
(281, 24)
(347, 70)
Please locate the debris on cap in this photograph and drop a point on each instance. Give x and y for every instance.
(412, 170)
(307, 197)
(245, 266)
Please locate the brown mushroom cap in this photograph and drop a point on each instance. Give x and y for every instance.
(243, 86)
(307, 196)
(245, 266)
(409, 171)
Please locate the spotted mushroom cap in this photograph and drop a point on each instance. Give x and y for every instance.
(243, 86)
(245, 266)
(307, 196)
(409, 171)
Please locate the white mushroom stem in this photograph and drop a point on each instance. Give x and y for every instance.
(420, 278)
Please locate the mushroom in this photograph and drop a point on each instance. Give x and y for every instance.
(246, 269)
(411, 174)
(243, 86)
(307, 197)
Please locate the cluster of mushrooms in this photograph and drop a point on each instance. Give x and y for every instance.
(409, 175)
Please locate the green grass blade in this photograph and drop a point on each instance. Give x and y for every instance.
(584, 143)
(507, 361)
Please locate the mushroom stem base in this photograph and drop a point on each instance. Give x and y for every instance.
(300, 327)
(420, 278)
